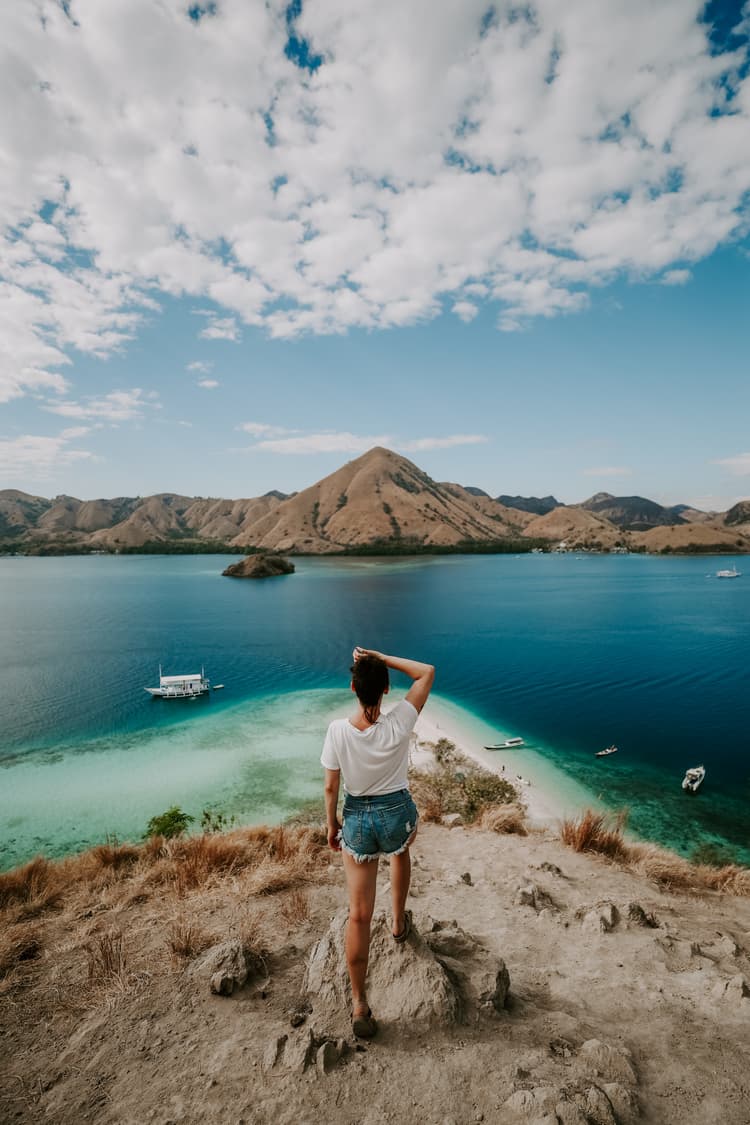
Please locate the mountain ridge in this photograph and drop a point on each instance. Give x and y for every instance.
(379, 500)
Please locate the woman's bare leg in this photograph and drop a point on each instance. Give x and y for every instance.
(400, 880)
(361, 880)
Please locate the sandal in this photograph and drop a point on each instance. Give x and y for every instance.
(401, 938)
(364, 1027)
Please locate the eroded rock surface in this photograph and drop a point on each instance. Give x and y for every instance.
(439, 976)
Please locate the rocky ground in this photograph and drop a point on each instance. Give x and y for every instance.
(539, 985)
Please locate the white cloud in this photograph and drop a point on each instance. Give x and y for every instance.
(331, 441)
(418, 444)
(221, 328)
(465, 310)
(739, 465)
(208, 384)
(427, 164)
(117, 406)
(200, 367)
(263, 429)
(608, 471)
(32, 456)
(676, 277)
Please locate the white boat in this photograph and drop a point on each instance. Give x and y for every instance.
(606, 753)
(733, 573)
(509, 744)
(693, 779)
(180, 687)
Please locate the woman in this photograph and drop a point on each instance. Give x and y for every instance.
(371, 750)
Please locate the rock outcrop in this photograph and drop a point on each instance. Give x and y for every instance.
(440, 976)
(260, 566)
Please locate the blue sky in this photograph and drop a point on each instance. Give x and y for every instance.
(514, 248)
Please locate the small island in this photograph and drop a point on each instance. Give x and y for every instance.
(260, 566)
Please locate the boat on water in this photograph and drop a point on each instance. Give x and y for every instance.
(180, 687)
(605, 753)
(509, 744)
(693, 779)
(218, 687)
(733, 573)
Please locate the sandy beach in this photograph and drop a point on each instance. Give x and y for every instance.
(547, 794)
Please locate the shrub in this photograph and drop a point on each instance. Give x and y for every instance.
(456, 785)
(212, 822)
(596, 832)
(173, 822)
(507, 819)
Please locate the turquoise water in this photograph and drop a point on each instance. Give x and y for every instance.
(571, 653)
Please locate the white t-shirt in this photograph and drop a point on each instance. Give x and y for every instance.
(372, 761)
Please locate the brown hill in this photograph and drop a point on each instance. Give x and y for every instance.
(380, 496)
(692, 537)
(577, 528)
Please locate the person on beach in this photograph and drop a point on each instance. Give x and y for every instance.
(371, 751)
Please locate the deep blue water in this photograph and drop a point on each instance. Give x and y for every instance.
(570, 652)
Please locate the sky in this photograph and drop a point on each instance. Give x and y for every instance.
(242, 242)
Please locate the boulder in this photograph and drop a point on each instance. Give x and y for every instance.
(259, 566)
(733, 991)
(529, 894)
(435, 978)
(599, 1059)
(224, 966)
(600, 918)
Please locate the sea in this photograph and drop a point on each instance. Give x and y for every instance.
(570, 652)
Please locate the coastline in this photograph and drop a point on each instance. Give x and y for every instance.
(547, 794)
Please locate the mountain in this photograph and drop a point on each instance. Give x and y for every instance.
(538, 506)
(380, 497)
(739, 516)
(379, 500)
(632, 513)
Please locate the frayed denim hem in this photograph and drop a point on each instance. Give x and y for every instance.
(376, 855)
(356, 856)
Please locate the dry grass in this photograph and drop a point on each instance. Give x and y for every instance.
(31, 889)
(105, 959)
(20, 946)
(595, 832)
(509, 819)
(295, 909)
(186, 939)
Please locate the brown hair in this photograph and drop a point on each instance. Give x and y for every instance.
(370, 680)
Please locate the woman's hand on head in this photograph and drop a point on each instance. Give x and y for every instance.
(359, 652)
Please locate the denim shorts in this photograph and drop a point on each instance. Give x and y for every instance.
(375, 826)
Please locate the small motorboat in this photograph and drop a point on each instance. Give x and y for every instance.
(509, 744)
(733, 573)
(605, 753)
(693, 779)
(218, 687)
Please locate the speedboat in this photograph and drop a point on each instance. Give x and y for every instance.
(693, 779)
(733, 573)
(509, 744)
(606, 753)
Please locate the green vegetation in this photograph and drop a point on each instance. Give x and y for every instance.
(457, 785)
(342, 501)
(403, 482)
(173, 822)
(713, 855)
(212, 821)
